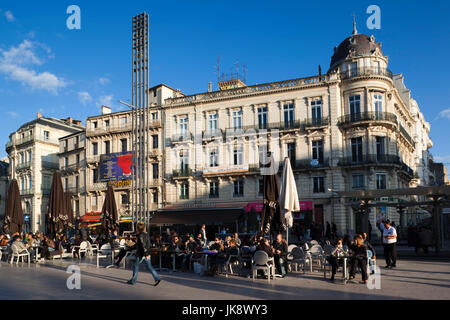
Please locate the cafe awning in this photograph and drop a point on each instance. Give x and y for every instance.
(196, 215)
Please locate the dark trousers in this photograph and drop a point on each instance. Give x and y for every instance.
(390, 254)
(280, 264)
(361, 262)
(122, 253)
(335, 263)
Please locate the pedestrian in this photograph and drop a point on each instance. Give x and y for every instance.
(203, 232)
(389, 243)
(328, 232)
(143, 255)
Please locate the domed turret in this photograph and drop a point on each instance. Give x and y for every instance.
(357, 45)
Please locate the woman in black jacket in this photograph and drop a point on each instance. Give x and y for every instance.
(358, 257)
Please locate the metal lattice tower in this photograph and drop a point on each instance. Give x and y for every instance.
(140, 118)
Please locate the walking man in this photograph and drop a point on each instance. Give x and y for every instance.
(389, 243)
(143, 255)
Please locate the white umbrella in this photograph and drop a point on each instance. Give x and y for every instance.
(288, 193)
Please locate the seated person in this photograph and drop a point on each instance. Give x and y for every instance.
(264, 245)
(358, 257)
(238, 241)
(217, 245)
(130, 245)
(338, 252)
(371, 253)
(177, 247)
(280, 254)
(191, 246)
(18, 245)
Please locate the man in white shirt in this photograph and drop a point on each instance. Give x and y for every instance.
(389, 243)
(203, 232)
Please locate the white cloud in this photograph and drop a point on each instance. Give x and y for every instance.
(84, 97)
(106, 100)
(13, 114)
(103, 81)
(444, 159)
(9, 16)
(445, 113)
(16, 64)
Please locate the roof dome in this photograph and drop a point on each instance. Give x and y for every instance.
(355, 45)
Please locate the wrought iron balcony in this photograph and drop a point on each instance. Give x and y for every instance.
(50, 165)
(366, 71)
(182, 173)
(367, 116)
(370, 159)
(406, 135)
(23, 166)
(317, 122)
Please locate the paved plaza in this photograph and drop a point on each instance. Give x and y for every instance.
(413, 279)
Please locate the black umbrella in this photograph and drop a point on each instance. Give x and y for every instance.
(68, 210)
(57, 217)
(271, 218)
(109, 211)
(14, 215)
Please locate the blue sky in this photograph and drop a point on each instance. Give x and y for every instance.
(61, 72)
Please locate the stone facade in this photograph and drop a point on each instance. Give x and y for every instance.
(352, 128)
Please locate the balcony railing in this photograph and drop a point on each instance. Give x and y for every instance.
(182, 137)
(26, 192)
(22, 166)
(370, 159)
(317, 122)
(184, 173)
(366, 71)
(50, 165)
(75, 190)
(406, 135)
(367, 116)
(30, 138)
(249, 90)
(108, 129)
(72, 167)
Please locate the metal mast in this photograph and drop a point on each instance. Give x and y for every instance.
(140, 116)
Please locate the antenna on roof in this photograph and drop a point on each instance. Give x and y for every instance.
(244, 69)
(218, 68)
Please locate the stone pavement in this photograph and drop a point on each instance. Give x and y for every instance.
(411, 280)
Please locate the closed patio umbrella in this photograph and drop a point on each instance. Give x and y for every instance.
(57, 217)
(14, 215)
(288, 194)
(69, 210)
(110, 216)
(271, 218)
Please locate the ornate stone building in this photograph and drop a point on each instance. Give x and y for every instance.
(33, 156)
(355, 127)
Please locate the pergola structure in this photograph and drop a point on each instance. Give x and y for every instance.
(438, 195)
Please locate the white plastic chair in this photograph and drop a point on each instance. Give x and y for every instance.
(299, 258)
(82, 248)
(104, 252)
(316, 254)
(19, 255)
(261, 261)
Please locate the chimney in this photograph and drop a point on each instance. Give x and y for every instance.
(106, 110)
(39, 115)
(69, 120)
(210, 86)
